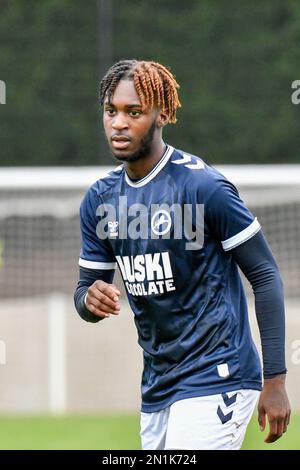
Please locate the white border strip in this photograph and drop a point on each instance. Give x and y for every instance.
(81, 177)
(159, 166)
(51, 177)
(57, 353)
(242, 237)
(96, 264)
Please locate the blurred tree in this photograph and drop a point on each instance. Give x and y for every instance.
(235, 63)
(48, 58)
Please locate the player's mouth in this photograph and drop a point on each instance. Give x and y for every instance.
(120, 142)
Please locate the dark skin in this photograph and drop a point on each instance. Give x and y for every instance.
(274, 404)
(125, 118)
(134, 135)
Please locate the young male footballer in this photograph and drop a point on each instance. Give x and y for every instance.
(178, 231)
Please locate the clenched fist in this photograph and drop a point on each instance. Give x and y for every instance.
(102, 299)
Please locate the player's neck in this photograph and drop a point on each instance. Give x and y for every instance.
(141, 168)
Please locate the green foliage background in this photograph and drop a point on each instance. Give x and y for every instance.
(235, 62)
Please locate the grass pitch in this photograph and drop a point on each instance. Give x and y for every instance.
(108, 433)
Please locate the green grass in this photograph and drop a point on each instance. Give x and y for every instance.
(72, 432)
(107, 432)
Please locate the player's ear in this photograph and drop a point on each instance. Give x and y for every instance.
(162, 119)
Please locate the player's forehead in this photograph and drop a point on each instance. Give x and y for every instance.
(124, 95)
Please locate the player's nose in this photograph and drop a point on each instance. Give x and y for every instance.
(119, 122)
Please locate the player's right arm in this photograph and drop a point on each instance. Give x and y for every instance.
(95, 296)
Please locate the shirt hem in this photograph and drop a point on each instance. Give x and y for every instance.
(252, 385)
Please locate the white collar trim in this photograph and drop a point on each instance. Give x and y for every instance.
(158, 167)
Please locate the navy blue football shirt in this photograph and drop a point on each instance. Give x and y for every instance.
(171, 234)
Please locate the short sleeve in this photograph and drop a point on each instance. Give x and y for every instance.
(230, 221)
(95, 253)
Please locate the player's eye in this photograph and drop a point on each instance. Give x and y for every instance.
(135, 113)
(110, 111)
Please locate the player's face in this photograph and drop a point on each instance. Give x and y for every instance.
(130, 130)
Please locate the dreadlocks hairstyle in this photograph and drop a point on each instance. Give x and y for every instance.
(154, 83)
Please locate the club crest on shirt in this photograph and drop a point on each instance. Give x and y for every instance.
(161, 222)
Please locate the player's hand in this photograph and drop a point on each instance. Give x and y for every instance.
(103, 299)
(274, 404)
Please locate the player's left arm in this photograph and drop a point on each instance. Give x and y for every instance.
(255, 259)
